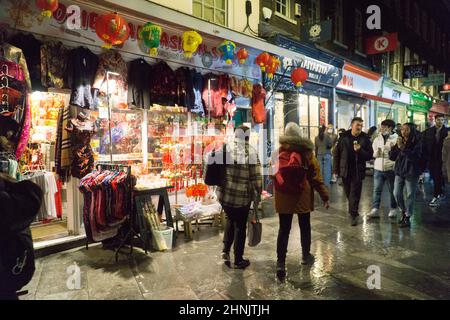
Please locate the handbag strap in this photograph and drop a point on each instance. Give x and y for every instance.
(255, 211)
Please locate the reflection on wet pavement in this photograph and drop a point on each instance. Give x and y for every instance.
(414, 263)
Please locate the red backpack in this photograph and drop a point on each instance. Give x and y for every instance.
(290, 175)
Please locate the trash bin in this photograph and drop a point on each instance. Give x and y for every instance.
(267, 207)
(162, 240)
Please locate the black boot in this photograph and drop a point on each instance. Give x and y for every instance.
(403, 218)
(281, 271)
(405, 223)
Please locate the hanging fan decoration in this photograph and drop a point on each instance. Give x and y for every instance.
(272, 67)
(299, 76)
(227, 49)
(151, 36)
(112, 29)
(191, 41)
(47, 7)
(242, 55)
(262, 60)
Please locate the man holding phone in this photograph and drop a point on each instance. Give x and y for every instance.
(352, 152)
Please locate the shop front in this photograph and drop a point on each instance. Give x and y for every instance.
(441, 108)
(356, 96)
(419, 108)
(311, 105)
(398, 110)
(91, 116)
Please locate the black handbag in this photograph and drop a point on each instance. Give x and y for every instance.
(254, 228)
(215, 172)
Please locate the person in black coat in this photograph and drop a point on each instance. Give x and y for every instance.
(20, 203)
(350, 155)
(434, 141)
(408, 155)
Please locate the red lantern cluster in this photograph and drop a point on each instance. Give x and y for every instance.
(263, 60)
(47, 7)
(242, 55)
(112, 29)
(299, 76)
(272, 66)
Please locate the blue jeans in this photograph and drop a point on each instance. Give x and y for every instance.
(325, 166)
(411, 184)
(379, 178)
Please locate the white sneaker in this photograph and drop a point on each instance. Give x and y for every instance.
(374, 213)
(393, 213)
(434, 202)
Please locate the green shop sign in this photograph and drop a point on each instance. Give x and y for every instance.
(420, 102)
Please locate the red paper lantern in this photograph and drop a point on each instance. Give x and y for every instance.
(112, 29)
(242, 55)
(272, 66)
(47, 7)
(263, 60)
(299, 76)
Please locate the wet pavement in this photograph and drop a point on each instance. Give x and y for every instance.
(414, 263)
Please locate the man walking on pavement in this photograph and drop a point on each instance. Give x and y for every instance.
(384, 169)
(352, 152)
(434, 141)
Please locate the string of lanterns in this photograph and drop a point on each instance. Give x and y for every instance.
(114, 31)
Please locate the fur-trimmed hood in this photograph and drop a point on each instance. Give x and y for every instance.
(293, 137)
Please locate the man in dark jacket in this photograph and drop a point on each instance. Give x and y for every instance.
(434, 141)
(352, 152)
(20, 202)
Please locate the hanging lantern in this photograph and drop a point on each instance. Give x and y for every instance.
(151, 36)
(191, 41)
(47, 7)
(299, 76)
(272, 66)
(263, 60)
(242, 55)
(227, 49)
(112, 29)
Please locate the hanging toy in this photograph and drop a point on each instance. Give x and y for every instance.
(272, 67)
(263, 60)
(112, 29)
(191, 41)
(227, 49)
(151, 36)
(47, 7)
(242, 55)
(299, 76)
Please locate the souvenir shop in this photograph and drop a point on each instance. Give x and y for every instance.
(356, 95)
(91, 114)
(397, 111)
(439, 108)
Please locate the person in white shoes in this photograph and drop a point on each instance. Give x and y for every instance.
(384, 169)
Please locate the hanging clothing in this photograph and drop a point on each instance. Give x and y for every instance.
(215, 93)
(107, 203)
(31, 48)
(163, 86)
(112, 61)
(15, 55)
(11, 69)
(53, 64)
(139, 74)
(197, 83)
(58, 199)
(81, 67)
(258, 104)
(25, 132)
(185, 88)
(81, 133)
(62, 153)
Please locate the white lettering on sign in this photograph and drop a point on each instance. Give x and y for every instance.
(374, 20)
(307, 64)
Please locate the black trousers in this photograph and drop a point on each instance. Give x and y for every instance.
(236, 231)
(437, 176)
(353, 188)
(304, 221)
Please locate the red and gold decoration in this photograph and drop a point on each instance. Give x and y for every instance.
(112, 29)
(47, 7)
(272, 67)
(197, 191)
(263, 60)
(242, 55)
(227, 49)
(151, 36)
(191, 41)
(299, 76)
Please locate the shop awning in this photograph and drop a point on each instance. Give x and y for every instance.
(377, 98)
(440, 108)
